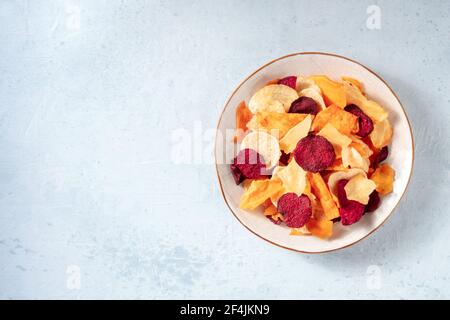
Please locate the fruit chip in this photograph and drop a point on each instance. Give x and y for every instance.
(384, 179)
(295, 134)
(359, 188)
(290, 81)
(382, 134)
(276, 123)
(332, 91)
(293, 178)
(258, 192)
(320, 228)
(369, 107)
(314, 153)
(351, 158)
(337, 139)
(342, 120)
(320, 189)
(379, 157)
(296, 210)
(264, 144)
(355, 83)
(274, 97)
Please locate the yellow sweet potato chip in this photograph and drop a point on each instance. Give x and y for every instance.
(274, 122)
(351, 158)
(258, 192)
(381, 134)
(364, 150)
(372, 109)
(293, 136)
(334, 178)
(293, 178)
(337, 139)
(383, 177)
(343, 121)
(243, 116)
(320, 189)
(332, 91)
(320, 228)
(359, 188)
(354, 82)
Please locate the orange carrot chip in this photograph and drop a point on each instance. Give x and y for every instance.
(321, 190)
(384, 179)
(342, 120)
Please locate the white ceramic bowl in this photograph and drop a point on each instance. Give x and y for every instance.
(401, 150)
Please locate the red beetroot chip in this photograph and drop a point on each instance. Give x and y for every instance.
(351, 213)
(365, 123)
(314, 153)
(382, 155)
(304, 105)
(290, 81)
(284, 158)
(374, 202)
(248, 164)
(295, 210)
(341, 194)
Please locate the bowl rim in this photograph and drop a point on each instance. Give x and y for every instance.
(326, 54)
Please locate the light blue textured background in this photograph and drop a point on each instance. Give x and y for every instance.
(90, 93)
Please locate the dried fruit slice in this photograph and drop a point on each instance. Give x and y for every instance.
(364, 122)
(382, 134)
(321, 190)
(304, 105)
(333, 91)
(290, 81)
(359, 188)
(384, 179)
(273, 98)
(296, 210)
(265, 144)
(248, 164)
(314, 153)
(275, 123)
(342, 120)
(289, 142)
